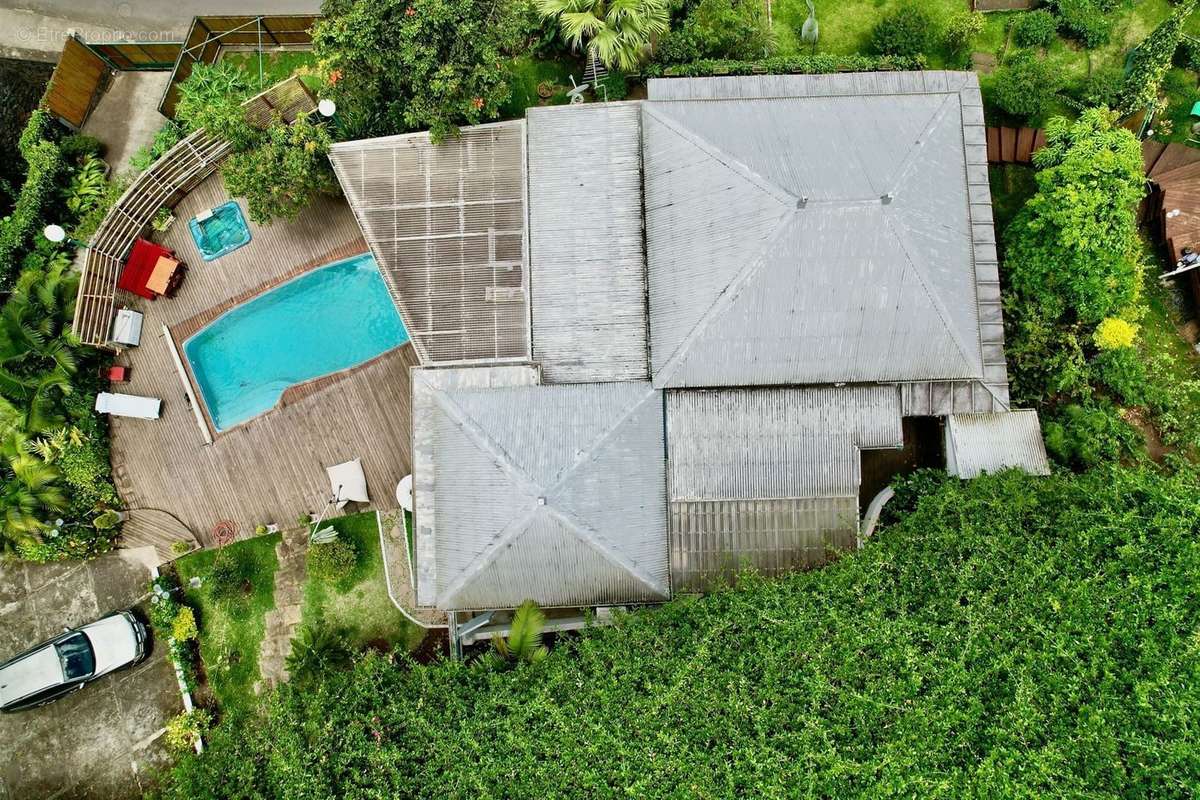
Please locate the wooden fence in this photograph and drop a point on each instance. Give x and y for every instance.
(78, 80)
(138, 56)
(1013, 145)
(210, 35)
(164, 184)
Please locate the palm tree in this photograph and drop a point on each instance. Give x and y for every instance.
(524, 642)
(29, 491)
(619, 32)
(317, 649)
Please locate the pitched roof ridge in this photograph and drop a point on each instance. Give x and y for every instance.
(727, 160)
(934, 299)
(724, 299)
(596, 443)
(918, 147)
(514, 530)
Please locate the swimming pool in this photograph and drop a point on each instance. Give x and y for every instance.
(330, 319)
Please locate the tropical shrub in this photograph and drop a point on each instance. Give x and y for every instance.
(961, 30)
(1088, 21)
(396, 66)
(1035, 28)
(907, 30)
(1151, 60)
(317, 649)
(1087, 435)
(87, 185)
(1025, 85)
(333, 560)
(211, 98)
(724, 29)
(44, 166)
(77, 147)
(183, 627)
(618, 33)
(281, 174)
(523, 644)
(1010, 637)
(1072, 255)
(184, 730)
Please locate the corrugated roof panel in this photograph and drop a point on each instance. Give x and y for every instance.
(513, 480)
(711, 541)
(979, 443)
(587, 261)
(747, 444)
(447, 225)
(867, 276)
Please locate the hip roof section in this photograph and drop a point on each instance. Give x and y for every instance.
(550, 493)
(814, 229)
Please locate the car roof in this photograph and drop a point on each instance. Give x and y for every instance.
(32, 673)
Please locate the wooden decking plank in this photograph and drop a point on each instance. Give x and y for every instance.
(272, 468)
(1173, 157)
(1151, 150)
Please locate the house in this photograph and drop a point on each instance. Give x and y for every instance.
(657, 337)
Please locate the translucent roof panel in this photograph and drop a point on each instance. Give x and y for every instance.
(446, 223)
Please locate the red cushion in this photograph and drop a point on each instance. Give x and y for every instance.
(139, 265)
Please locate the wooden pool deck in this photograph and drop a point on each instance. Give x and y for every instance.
(272, 468)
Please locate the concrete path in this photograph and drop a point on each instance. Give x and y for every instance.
(102, 741)
(281, 622)
(126, 118)
(400, 584)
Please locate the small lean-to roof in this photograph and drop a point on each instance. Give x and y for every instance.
(587, 260)
(550, 493)
(768, 478)
(446, 223)
(979, 443)
(815, 229)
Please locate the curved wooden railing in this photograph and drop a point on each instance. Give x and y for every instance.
(164, 183)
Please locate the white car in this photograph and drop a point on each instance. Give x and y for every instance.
(71, 660)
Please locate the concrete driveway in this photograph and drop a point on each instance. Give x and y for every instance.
(101, 741)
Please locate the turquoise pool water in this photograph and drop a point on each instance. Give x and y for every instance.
(332, 318)
(223, 232)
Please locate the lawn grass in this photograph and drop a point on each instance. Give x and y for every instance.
(846, 25)
(359, 604)
(230, 635)
(1171, 363)
(524, 75)
(276, 65)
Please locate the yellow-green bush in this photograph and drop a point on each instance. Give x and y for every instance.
(1114, 333)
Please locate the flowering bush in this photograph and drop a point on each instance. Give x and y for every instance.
(184, 730)
(1114, 333)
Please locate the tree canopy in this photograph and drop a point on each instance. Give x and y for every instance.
(1009, 637)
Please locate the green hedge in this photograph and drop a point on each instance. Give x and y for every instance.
(800, 65)
(44, 165)
(1011, 637)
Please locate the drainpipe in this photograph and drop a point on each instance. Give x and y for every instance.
(871, 519)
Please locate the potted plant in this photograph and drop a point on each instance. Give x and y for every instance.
(263, 529)
(162, 219)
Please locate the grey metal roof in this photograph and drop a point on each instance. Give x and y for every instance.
(772, 256)
(447, 225)
(745, 444)
(978, 443)
(587, 261)
(550, 493)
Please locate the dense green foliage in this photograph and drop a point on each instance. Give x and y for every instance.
(1035, 29)
(316, 650)
(174, 624)
(907, 30)
(1010, 637)
(960, 33)
(44, 167)
(1072, 254)
(802, 65)
(1089, 21)
(396, 65)
(1025, 85)
(1085, 436)
(1152, 59)
(280, 174)
(22, 84)
(718, 29)
(617, 32)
